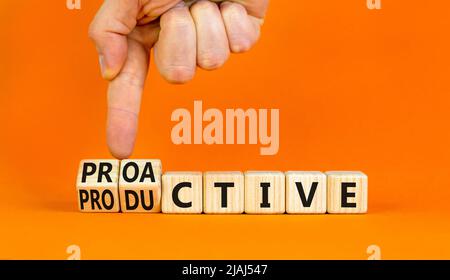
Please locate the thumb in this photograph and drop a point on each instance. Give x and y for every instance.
(109, 29)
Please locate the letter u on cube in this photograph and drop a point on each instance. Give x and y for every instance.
(139, 186)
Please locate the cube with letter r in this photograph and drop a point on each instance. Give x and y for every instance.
(98, 186)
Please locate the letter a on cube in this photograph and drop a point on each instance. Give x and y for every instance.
(140, 185)
(97, 186)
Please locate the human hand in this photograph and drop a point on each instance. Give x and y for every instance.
(125, 31)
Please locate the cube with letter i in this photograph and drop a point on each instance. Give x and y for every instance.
(264, 192)
(347, 192)
(140, 186)
(97, 186)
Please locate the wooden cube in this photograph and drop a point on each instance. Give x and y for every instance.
(223, 192)
(306, 192)
(264, 192)
(97, 186)
(140, 186)
(347, 192)
(182, 192)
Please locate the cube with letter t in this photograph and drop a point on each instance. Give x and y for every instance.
(223, 192)
(347, 192)
(97, 186)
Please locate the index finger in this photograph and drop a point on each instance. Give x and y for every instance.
(124, 100)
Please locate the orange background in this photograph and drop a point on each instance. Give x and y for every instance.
(357, 90)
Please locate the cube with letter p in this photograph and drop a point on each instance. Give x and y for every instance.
(97, 186)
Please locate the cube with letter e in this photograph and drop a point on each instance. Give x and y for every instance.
(347, 192)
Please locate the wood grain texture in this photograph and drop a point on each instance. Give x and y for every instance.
(214, 202)
(351, 182)
(192, 194)
(140, 185)
(98, 193)
(254, 192)
(313, 185)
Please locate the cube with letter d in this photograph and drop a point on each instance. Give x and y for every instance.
(140, 186)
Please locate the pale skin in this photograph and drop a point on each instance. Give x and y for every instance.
(184, 36)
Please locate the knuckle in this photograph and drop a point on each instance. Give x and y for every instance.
(94, 32)
(202, 6)
(131, 79)
(175, 19)
(231, 8)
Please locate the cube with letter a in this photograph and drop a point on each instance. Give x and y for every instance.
(140, 186)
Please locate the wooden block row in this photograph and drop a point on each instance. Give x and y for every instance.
(140, 186)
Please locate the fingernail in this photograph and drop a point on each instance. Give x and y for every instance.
(106, 72)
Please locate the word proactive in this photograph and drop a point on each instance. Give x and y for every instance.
(190, 129)
(139, 186)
